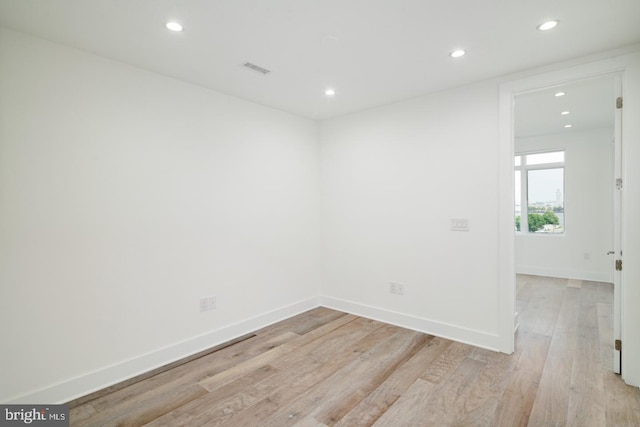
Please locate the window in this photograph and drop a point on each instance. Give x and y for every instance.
(539, 192)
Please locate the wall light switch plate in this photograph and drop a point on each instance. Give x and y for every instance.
(459, 224)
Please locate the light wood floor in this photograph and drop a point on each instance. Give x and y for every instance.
(326, 368)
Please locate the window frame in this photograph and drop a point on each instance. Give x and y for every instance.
(524, 169)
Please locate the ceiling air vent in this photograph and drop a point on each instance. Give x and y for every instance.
(254, 67)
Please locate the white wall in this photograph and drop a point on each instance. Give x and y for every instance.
(588, 210)
(393, 177)
(125, 197)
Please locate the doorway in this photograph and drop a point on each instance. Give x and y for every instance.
(565, 170)
(509, 93)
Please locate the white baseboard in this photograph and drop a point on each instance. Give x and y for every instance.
(452, 332)
(593, 276)
(97, 380)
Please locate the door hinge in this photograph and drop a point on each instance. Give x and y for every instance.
(619, 183)
(619, 102)
(618, 265)
(618, 345)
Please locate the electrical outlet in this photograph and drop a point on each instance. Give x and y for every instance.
(396, 288)
(208, 303)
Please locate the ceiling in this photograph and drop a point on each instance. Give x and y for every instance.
(590, 103)
(373, 52)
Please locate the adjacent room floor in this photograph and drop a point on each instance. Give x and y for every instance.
(327, 368)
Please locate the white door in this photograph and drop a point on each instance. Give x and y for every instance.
(617, 227)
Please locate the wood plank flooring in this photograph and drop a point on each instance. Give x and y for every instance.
(327, 368)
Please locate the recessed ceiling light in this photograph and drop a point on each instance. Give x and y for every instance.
(568, 126)
(173, 26)
(557, 94)
(330, 92)
(457, 53)
(564, 113)
(546, 26)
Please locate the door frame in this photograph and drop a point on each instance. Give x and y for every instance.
(508, 90)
